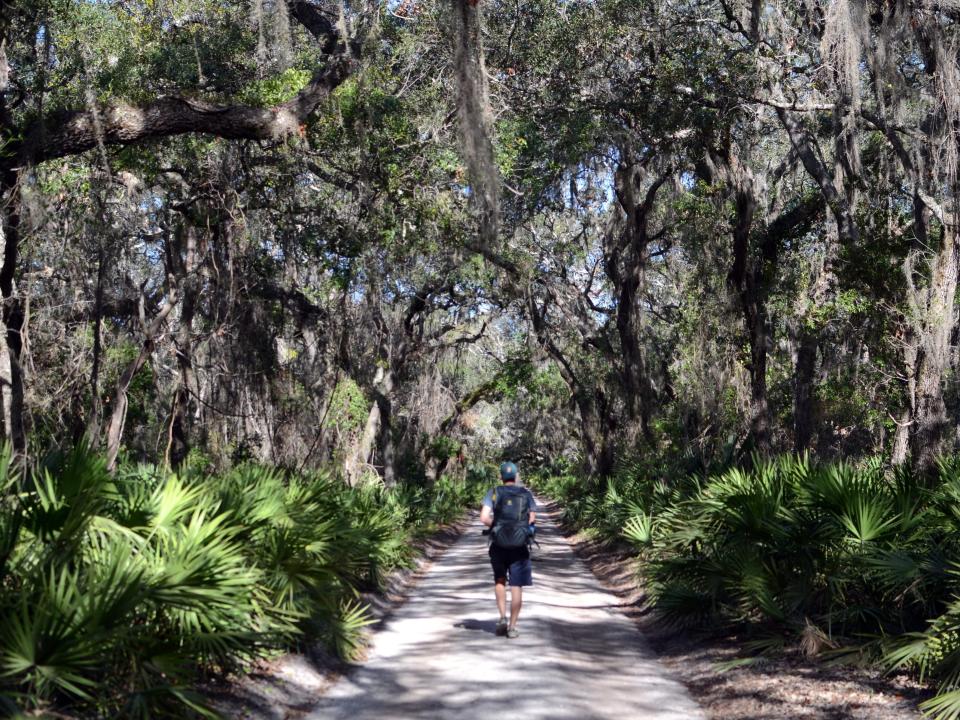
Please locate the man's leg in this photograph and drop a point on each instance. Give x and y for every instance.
(500, 589)
(516, 601)
(521, 574)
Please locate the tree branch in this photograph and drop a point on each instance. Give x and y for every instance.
(813, 162)
(120, 123)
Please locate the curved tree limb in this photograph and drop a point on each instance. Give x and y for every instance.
(121, 123)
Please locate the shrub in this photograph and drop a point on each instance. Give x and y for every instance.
(855, 559)
(118, 592)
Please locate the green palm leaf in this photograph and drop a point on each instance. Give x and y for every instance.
(639, 530)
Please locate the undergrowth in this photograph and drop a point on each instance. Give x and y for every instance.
(119, 592)
(857, 563)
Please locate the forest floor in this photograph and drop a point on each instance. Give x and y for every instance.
(776, 688)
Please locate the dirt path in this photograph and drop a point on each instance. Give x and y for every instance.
(577, 656)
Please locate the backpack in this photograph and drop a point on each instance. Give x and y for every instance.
(511, 517)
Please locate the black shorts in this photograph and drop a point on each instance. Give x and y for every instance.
(512, 563)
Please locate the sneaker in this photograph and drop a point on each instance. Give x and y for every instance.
(501, 627)
(513, 632)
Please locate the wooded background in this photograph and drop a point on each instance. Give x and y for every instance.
(282, 282)
(395, 236)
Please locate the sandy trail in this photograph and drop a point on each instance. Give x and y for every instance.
(577, 656)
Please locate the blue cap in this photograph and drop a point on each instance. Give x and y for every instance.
(508, 471)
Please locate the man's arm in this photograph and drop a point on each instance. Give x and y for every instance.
(486, 515)
(533, 507)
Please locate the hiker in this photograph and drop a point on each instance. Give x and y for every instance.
(510, 513)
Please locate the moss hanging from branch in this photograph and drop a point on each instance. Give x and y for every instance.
(271, 21)
(475, 118)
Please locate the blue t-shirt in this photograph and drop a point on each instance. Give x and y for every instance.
(488, 498)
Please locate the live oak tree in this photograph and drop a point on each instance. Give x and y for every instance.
(320, 233)
(34, 134)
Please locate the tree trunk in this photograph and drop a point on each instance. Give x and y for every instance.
(11, 316)
(361, 453)
(596, 433)
(94, 421)
(938, 318)
(747, 280)
(901, 439)
(626, 257)
(634, 375)
(385, 443)
(118, 415)
(805, 372)
(378, 429)
(597, 426)
(184, 260)
(753, 302)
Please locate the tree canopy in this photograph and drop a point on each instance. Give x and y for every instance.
(391, 234)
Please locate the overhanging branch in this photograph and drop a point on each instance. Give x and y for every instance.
(121, 123)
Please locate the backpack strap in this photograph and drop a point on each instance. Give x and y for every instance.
(494, 500)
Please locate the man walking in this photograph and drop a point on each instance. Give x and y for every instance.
(510, 512)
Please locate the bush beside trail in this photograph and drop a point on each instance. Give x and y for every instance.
(119, 592)
(858, 563)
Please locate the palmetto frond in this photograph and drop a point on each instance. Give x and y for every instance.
(45, 640)
(639, 530)
(115, 591)
(344, 628)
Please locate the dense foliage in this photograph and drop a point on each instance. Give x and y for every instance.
(312, 233)
(119, 592)
(333, 230)
(855, 562)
